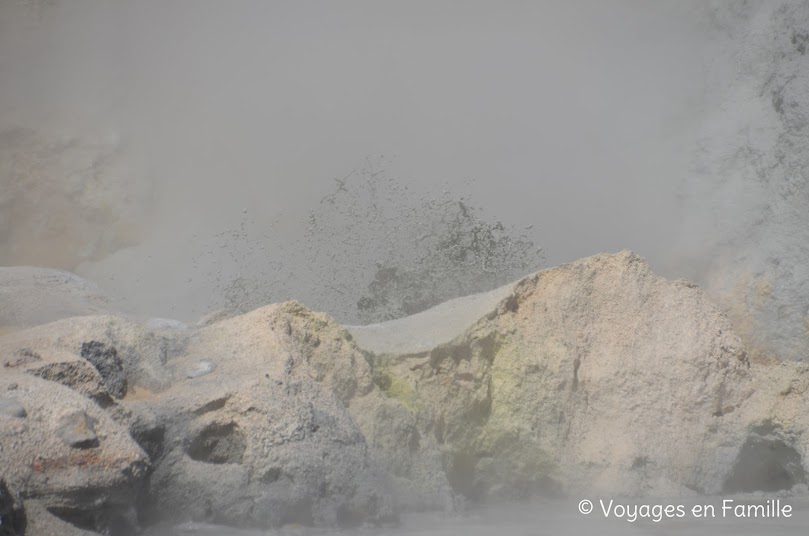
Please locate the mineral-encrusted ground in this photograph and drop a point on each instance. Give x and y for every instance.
(596, 376)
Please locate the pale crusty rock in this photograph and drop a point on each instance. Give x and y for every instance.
(313, 345)
(98, 478)
(264, 437)
(71, 371)
(299, 451)
(595, 376)
(142, 354)
(395, 432)
(262, 453)
(282, 338)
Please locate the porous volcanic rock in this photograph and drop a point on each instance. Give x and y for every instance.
(264, 438)
(597, 375)
(120, 350)
(68, 454)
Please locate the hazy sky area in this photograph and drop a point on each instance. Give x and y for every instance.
(575, 117)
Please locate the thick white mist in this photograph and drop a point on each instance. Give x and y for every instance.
(599, 123)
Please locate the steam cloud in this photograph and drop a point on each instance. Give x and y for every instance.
(166, 150)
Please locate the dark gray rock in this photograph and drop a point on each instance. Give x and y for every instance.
(77, 430)
(109, 365)
(12, 515)
(43, 521)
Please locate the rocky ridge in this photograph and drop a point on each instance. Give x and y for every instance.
(595, 375)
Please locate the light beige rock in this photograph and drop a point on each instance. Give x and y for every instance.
(143, 353)
(257, 427)
(597, 375)
(96, 475)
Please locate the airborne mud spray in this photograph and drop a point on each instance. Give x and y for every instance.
(171, 174)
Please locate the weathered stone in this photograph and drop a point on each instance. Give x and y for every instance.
(39, 460)
(597, 375)
(142, 354)
(77, 431)
(75, 373)
(254, 453)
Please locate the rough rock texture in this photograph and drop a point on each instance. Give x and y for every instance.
(266, 437)
(245, 421)
(106, 361)
(597, 375)
(120, 351)
(264, 454)
(88, 475)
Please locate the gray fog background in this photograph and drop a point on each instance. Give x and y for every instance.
(173, 146)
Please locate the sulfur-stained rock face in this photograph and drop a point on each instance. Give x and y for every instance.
(247, 421)
(596, 375)
(289, 341)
